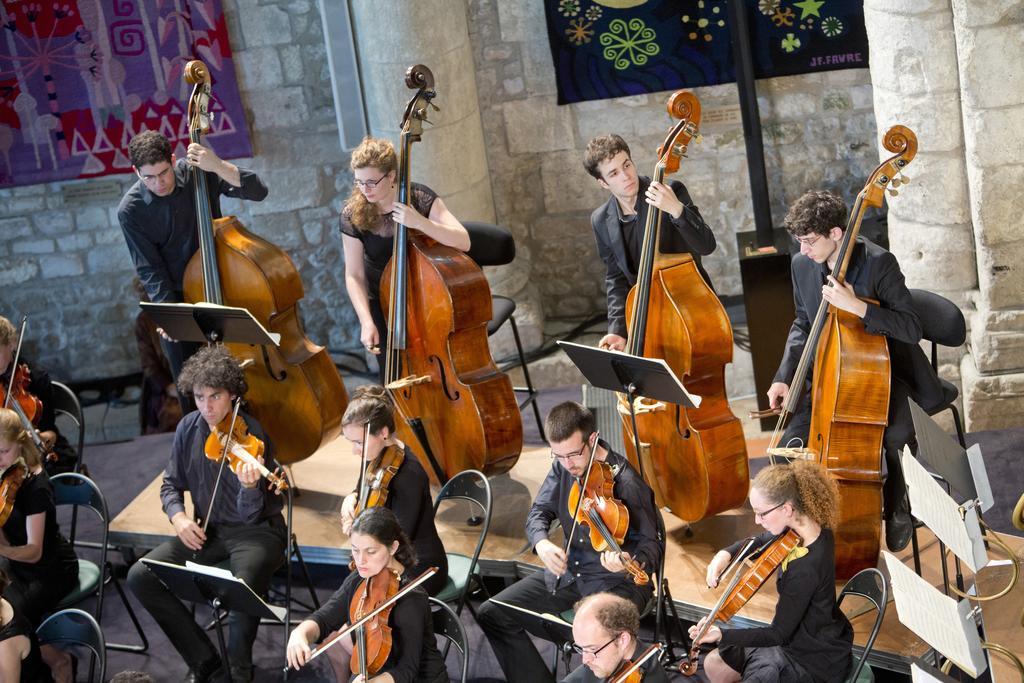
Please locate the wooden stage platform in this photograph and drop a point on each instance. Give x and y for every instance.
(325, 477)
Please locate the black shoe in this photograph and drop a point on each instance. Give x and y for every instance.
(241, 674)
(209, 672)
(899, 527)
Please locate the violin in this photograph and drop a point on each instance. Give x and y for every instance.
(761, 564)
(377, 477)
(231, 438)
(19, 394)
(373, 639)
(630, 671)
(605, 516)
(10, 481)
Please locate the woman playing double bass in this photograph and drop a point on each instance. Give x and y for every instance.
(368, 229)
(809, 639)
(378, 546)
(393, 478)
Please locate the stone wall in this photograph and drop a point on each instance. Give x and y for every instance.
(819, 131)
(68, 268)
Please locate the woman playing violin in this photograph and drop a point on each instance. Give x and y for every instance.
(378, 545)
(604, 632)
(809, 639)
(19, 650)
(40, 387)
(243, 521)
(394, 479)
(41, 563)
(368, 230)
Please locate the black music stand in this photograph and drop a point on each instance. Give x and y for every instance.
(216, 588)
(636, 376)
(206, 322)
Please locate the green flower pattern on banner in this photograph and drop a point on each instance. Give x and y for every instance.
(629, 44)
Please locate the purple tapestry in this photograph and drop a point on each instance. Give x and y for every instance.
(79, 78)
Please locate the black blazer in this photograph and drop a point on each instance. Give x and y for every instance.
(688, 234)
(874, 274)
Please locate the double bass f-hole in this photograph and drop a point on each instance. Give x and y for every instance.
(434, 360)
(277, 377)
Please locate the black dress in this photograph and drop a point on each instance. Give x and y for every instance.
(33, 670)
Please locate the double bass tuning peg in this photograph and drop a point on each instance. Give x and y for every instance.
(893, 193)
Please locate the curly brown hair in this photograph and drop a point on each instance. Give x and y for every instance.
(149, 147)
(371, 153)
(807, 485)
(370, 403)
(213, 367)
(614, 613)
(12, 431)
(601, 149)
(816, 212)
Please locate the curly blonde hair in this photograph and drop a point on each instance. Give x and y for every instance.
(371, 153)
(8, 332)
(807, 485)
(12, 431)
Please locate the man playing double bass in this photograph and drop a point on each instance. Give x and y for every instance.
(158, 217)
(816, 221)
(604, 634)
(579, 571)
(619, 225)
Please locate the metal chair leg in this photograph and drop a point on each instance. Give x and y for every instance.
(529, 389)
(135, 622)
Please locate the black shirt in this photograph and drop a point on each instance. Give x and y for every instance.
(414, 654)
(620, 243)
(409, 499)
(378, 242)
(807, 624)
(585, 566)
(58, 564)
(162, 232)
(188, 469)
(33, 670)
(41, 387)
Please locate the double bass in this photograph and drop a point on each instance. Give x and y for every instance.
(457, 410)
(295, 390)
(849, 389)
(694, 458)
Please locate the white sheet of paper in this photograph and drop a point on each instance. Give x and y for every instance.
(932, 505)
(929, 675)
(974, 458)
(939, 620)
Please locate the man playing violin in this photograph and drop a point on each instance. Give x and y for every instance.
(244, 525)
(158, 216)
(816, 221)
(619, 225)
(580, 571)
(60, 455)
(604, 632)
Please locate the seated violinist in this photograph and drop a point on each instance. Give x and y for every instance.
(580, 571)
(379, 546)
(605, 633)
(405, 490)
(809, 638)
(41, 565)
(60, 454)
(243, 525)
(19, 649)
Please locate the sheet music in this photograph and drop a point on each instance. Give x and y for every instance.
(942, 622)
(932, 505)
(923, 673)
(219, 573)
(977, 463)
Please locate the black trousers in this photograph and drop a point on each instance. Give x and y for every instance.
(898, 433)
(35, 597)
(255, 552)
(507, 629)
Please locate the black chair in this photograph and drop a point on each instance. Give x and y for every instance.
(492, 245)
(942, 323)
(75, 627)
(66, 404)
(78, 490)
(448, 625)
(473, 487)
(871, 585)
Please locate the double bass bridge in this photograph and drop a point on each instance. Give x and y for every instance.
(642, 406)
(408, 381)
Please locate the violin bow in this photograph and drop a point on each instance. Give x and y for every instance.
(223, 460)
(14, 361)
(16, 407)
(363, 487)
(405, 590)
(576, 512)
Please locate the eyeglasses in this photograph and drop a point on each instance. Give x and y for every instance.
(148, 178)
(574, 454)
(807, 242)
(581, 650)
(767, 512)
(369, 184)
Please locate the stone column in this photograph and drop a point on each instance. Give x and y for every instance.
(989, 35)
(914, 74)
(392, 35)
